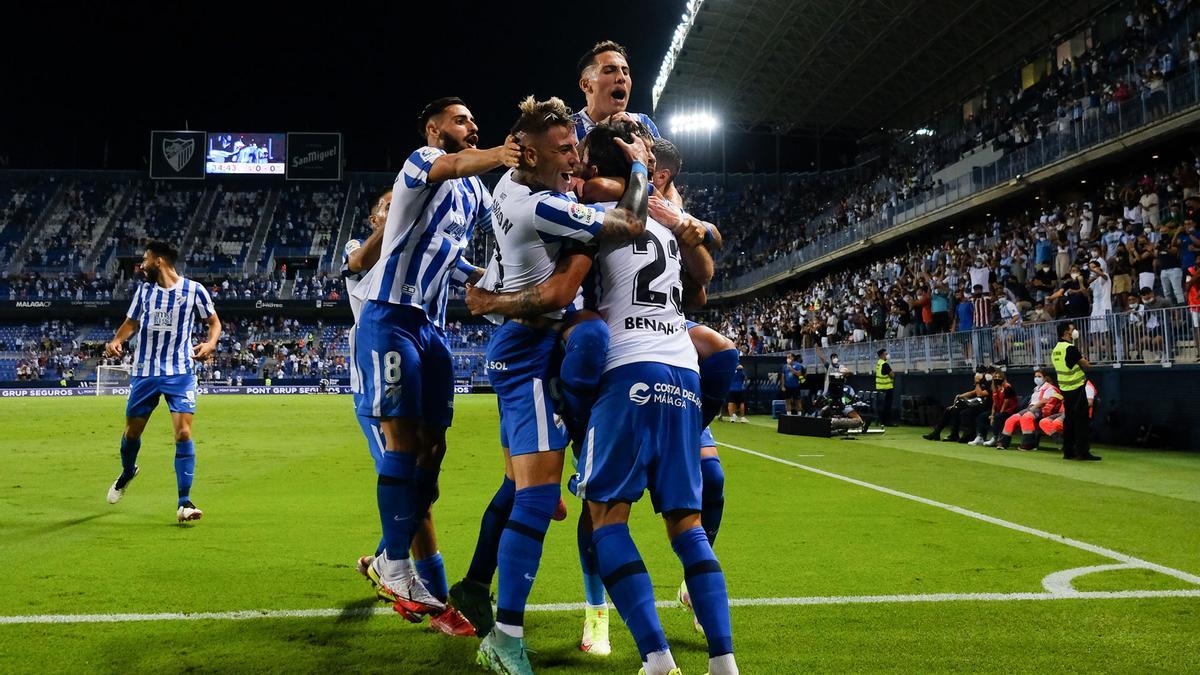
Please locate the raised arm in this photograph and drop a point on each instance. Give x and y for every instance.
(209, 346)
(628, 219)
(364, 257)
(473, 162)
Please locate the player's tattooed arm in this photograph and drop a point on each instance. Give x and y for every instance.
(628, 219)
(115, 346)
(473, 162)
(204, 349)
(551, 295)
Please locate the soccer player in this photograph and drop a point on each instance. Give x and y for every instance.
(606, 83)
(646, 424)
(401, 350)
(535, 215)
(358, 258)
(162, 315)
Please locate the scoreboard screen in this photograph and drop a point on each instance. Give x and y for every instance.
(246, 153)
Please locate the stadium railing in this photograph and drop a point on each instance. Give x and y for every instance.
(1158, 338)
(1181, 93)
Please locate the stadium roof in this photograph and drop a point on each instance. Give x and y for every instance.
(793, 65)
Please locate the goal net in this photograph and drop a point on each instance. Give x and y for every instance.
(112, 380)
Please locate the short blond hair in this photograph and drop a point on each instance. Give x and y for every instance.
(538, 116)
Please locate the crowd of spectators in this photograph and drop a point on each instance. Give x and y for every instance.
(49, 351)
(1123, 247)
(75, 286)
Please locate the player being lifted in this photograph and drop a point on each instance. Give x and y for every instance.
(645, 427)
(162, 315)
(535, 216)
(358, 258)
(401, 350)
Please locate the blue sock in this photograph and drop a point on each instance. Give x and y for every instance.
(593, 585)
(379, 548)
(424, 491)
(628, 583)
(583, 362)
(483, 562)
(185, 469)
(716, 374)
(706, 586)
(129, 453)
(712, 496)
(520, 550)
(397, 503)
(433, 575)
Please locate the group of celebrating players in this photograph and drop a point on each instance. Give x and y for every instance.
(595, 261)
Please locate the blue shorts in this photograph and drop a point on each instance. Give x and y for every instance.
(644, 433)
(521, 365)
(374, 435)
(404, 365)
(706, 438)
(179, 390)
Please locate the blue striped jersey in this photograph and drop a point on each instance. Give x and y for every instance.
(584, 124)
(530, 227)
(165, 316)
(428, 226)
(458, 276)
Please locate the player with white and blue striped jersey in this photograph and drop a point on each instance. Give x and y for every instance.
(161, 316)
(358, 261)
(402, 354)
(536, 215)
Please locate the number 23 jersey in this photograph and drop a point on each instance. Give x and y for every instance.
(638, 291)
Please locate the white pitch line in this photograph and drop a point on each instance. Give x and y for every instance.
(359, 612)
(1083, 545)
(1060, 582)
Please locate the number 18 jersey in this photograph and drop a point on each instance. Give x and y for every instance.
(638, 290)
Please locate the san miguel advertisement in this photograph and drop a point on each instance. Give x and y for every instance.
(314, 156)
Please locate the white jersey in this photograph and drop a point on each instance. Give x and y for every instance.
(639, 293)
(353, 279)
(428, 227)
(530, 228)
(165, 316)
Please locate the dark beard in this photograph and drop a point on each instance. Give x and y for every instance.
(150, 274)
(451, 145)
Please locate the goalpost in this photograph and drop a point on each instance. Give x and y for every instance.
(109, 378)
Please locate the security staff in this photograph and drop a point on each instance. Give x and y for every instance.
(1071, 369)
(885, 383)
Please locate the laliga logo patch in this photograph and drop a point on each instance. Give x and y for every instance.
(584, 215)
(428, 154)
(352, 246)
(640, 393)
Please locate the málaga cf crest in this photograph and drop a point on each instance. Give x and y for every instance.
(178, 151)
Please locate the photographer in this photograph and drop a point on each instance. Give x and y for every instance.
(963, 410)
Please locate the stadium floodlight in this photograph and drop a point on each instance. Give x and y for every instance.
(693, 122)
(664, 72)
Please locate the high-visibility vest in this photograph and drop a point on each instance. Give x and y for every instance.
(1069, 379)
(882, 382)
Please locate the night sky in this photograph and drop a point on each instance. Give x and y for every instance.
(83, 78)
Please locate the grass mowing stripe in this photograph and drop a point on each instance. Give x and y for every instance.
(1083, 545)
(243, 615)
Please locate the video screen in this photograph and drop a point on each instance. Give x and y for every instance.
(241, 153)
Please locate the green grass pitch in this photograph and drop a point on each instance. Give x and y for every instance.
(288, 493)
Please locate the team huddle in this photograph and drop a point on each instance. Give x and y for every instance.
(594, 264)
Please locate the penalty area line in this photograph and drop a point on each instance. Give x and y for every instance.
(1050, 536)
(359, 612)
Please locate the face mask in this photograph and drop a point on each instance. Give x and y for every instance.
(1039, 381)
(1074, 334)
(835, 362)
(988, 378)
